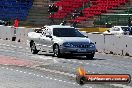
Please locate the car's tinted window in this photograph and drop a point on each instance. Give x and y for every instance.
(125, 28)
(38, 30)
(67, 32)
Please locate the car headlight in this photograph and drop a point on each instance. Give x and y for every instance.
(92, 45)
(68, 45)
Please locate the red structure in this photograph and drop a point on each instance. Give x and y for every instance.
(67, 7)
(97, 7)
(16, 23)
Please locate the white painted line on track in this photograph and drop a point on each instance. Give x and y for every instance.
(69, 60)
(20, 47)
(59, 80)
(51, 78)
(27, 48)
(42, 57)
(55, 61)
(3, 44)
(73, 83)
(29, 73)
(58, 72)
(38, 75)
(55, 79)
(13, 46)
(11, 69)
(47, 77)
(120, 85)
(7, 45)
(2, 67)
(12, 51)
(87, 63)
(9, 50)
(80, 62)
(74, 61)
(69, 82)
(88, 71)
(41, 76)
(21, 71)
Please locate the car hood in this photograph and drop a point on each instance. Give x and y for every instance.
(74, 39)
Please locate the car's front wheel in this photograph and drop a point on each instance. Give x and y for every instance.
(90, 56)
(80, 80)
(33, 48)
(56, 51)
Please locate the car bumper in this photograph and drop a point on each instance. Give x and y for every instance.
(78, 51)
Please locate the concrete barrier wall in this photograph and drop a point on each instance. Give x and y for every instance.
(8, 32)
(98, 39)
(127, 48)
(113, 44)
(120, 45)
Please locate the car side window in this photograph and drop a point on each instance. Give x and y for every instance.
(116, 29)
(39, 31)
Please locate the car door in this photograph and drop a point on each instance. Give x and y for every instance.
(115, 30)
(49, 40)
(46, 40)
(37, 39)
(112, 30)
(119, 31)
(42, 40)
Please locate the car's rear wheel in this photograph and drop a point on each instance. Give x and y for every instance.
(80, 80)
(90, 56)
(56, 51)
(33, 48)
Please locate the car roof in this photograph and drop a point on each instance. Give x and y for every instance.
(59, 26)
(121, 26)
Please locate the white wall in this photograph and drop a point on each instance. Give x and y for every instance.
(114, 44)
(7, 32)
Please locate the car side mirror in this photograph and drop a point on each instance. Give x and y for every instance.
(108, 30)
(86, 36)
(49, 36)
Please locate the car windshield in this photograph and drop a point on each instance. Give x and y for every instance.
(67, 32)
(125, 28)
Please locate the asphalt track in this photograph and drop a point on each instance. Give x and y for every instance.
(21, 69)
